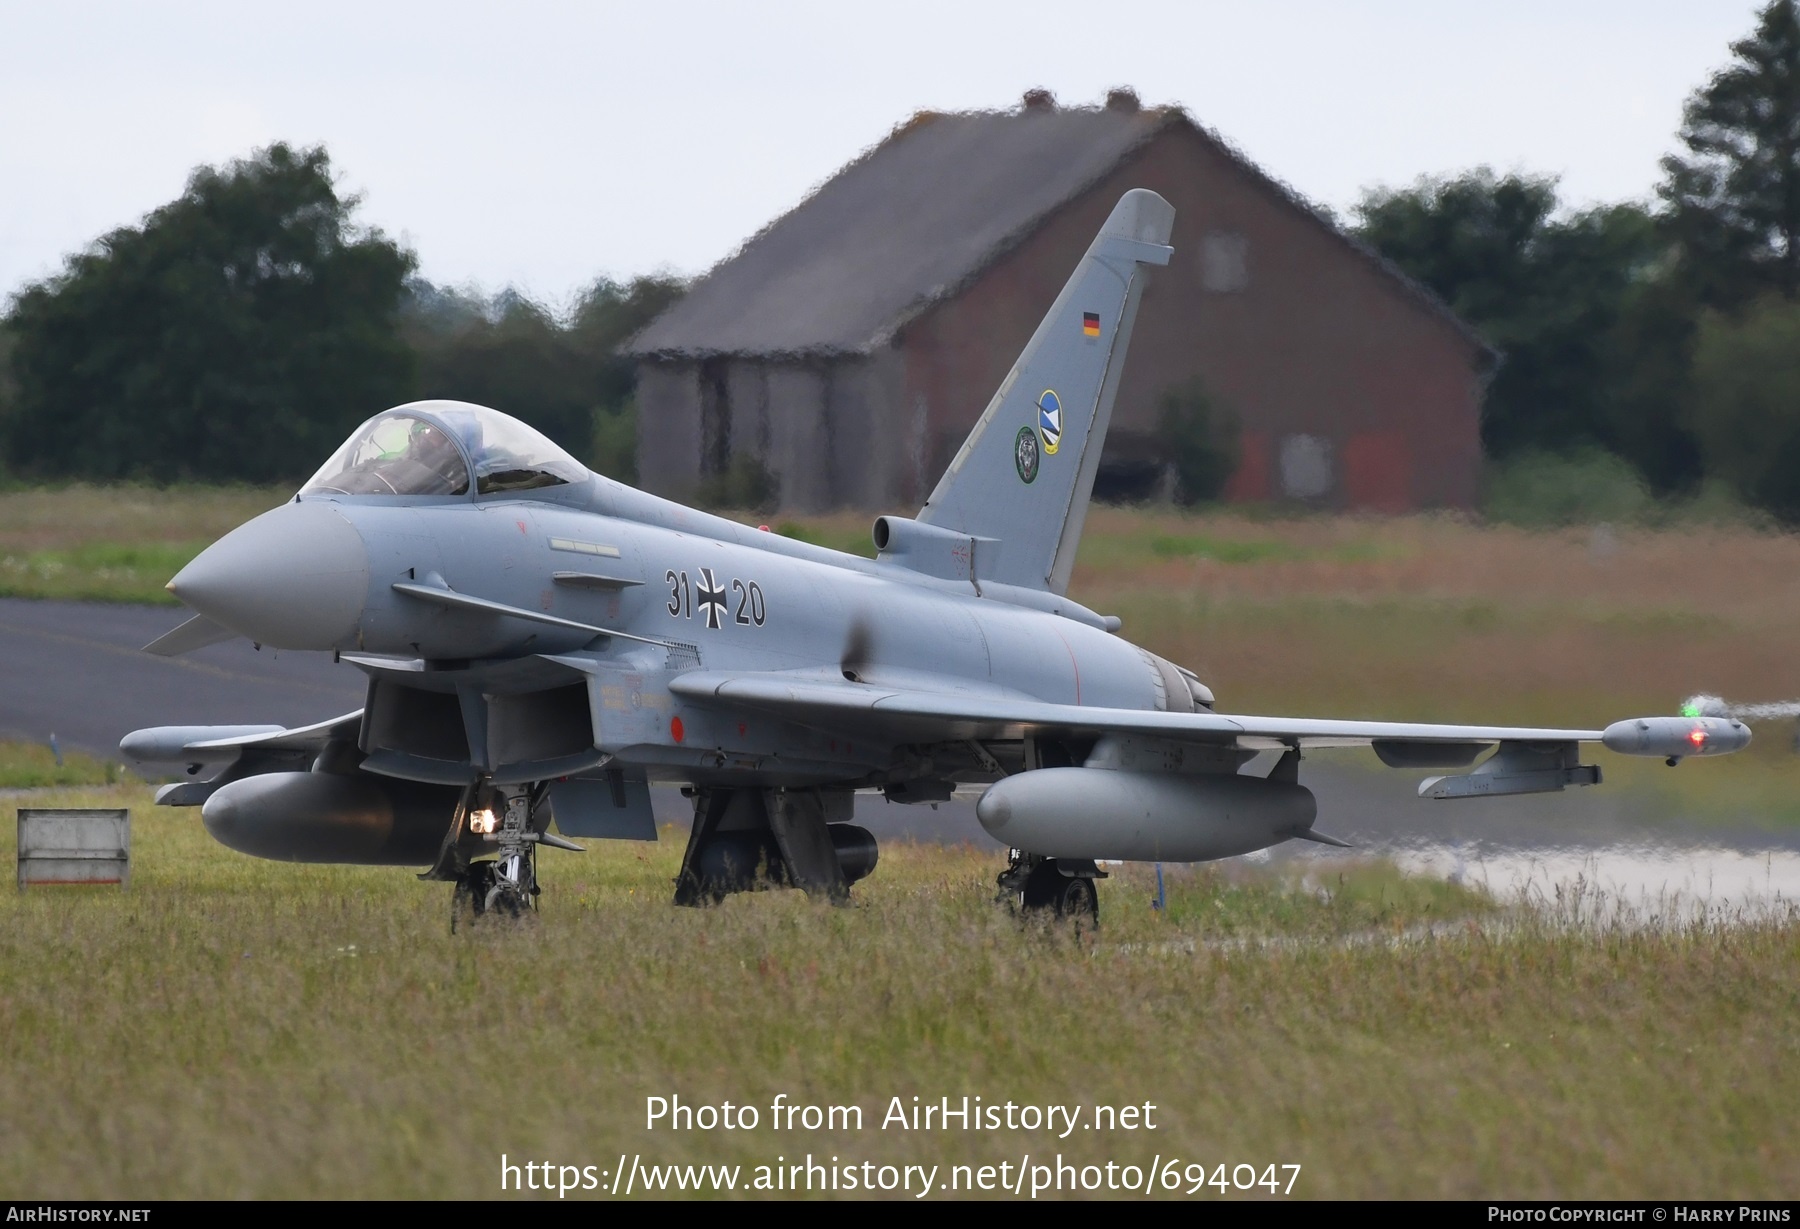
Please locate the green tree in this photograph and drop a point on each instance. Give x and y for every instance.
(607, 316)
(238, 333)
(1746, 402)
(1548, 292)
(1734, 197)
(8, 395)
(1201, 439)
(1647, 362)
(513, 354)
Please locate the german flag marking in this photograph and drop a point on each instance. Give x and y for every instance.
(1090, 323)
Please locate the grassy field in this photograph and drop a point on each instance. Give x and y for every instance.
(1444, 619)
(114, 544)
(34, 765)
(234, 1028)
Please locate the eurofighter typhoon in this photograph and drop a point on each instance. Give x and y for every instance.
(542, 643)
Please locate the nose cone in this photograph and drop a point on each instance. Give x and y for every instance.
(296, 577)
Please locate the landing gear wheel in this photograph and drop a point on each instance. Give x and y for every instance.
(515, 881)
(480, 886)
(1049, 892)
(469, 898)
(486, 890)
(1079, 902)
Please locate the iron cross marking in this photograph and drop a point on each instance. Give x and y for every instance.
(712, 598)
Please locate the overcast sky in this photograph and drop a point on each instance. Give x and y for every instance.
(540, 144)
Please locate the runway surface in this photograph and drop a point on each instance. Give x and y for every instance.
(76, 670)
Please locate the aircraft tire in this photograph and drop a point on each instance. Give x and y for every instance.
(480, 883)
(1066, 897)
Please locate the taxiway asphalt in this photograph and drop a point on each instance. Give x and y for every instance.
(77, 670)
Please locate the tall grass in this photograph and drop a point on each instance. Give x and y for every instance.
(26, 765)
(227, 1027)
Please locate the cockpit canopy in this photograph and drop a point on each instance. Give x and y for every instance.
(432, 448)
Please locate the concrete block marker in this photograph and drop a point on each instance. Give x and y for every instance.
(74, 846)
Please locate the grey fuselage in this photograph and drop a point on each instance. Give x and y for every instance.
(718, 595)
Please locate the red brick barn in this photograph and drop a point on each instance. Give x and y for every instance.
(849, 346)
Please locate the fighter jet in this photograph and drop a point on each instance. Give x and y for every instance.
(542, 643)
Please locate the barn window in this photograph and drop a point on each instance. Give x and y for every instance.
(1305, 466)
(1224, 262)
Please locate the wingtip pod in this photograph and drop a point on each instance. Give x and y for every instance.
(174, 744)
(1676, 738)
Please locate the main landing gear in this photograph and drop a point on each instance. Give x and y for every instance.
(747, 839)
(1059, 889)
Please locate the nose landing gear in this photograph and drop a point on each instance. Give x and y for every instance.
(505, 885)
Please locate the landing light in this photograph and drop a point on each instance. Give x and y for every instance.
(483, 822)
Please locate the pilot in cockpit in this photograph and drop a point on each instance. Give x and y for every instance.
(395, 455)
(430, 462)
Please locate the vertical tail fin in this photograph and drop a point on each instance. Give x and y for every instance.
(1025, 473)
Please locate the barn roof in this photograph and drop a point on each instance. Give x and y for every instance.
(916, 219)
